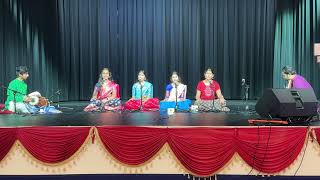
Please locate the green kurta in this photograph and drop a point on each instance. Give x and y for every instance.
(17, 85)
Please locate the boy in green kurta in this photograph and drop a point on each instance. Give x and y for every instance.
(20, 103)
(21, 87)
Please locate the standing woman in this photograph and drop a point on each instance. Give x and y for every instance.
(207, 91)
(175, 95)
(106, 95)
(142, 95)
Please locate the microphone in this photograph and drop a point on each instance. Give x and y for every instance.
(211, 83)
(243, 82)
(175, 84)
(141, 86)
(59, 92)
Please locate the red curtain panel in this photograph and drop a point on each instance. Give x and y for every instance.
(7, 139)
(52, 144)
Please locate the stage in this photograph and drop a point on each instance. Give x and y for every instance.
(73, 115)
(190, 144)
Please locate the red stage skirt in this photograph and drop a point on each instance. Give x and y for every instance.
(151, 104)
(2, 111)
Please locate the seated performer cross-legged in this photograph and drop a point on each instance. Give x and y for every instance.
(17, 99)
(142, 95)
(207, 90)
(175, 95)
(106, 94)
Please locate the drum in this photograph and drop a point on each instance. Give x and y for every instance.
(43, 102)
(39, 101)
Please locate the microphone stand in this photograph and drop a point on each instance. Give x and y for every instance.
(58, 93)
(176, 105)
(246, 96)
(141, 100)
(211, 83)
(14, 97)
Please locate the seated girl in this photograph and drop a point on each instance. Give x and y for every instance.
(106, 95)
(207, 90)
(175, 95)
(142, 95)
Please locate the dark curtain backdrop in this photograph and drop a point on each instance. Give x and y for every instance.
(235, 38)
(67, 42)
(297, 29)
(28, 37)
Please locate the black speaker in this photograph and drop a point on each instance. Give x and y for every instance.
(287, 103)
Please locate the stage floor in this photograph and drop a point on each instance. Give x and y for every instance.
(238, 116)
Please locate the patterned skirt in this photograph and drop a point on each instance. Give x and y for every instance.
(98, 105)
(209, 105)
(151, 104)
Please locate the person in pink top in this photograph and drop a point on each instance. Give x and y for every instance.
(295, 81)
(106, 95)
(209, 96)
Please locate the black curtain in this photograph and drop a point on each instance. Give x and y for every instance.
(235, 38)
(80, 37)
(28, 33)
